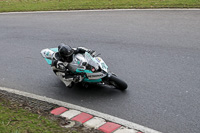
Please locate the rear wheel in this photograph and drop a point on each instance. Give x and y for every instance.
(118, 83)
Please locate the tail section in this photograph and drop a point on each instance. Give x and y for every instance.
(47, 54)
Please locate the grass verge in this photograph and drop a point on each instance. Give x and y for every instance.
(47, 5)
(14, 119)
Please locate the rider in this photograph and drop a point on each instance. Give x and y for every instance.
(62, 59)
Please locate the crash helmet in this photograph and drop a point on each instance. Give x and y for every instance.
(66, 52)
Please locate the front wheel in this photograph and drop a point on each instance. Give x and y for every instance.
(118, 83)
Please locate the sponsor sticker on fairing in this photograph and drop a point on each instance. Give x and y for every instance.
(98, 59)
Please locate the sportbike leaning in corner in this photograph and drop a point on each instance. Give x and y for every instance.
(80, 65)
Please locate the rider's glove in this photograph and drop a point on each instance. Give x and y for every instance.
(92, 52)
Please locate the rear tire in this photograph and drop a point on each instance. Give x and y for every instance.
(118, 83)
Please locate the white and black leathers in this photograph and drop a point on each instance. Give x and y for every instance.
(62, 68)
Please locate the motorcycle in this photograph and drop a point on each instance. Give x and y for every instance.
(93, 70)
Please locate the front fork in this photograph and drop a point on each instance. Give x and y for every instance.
(110, 74)
(106, 80)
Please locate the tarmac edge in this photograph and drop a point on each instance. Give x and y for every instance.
(103, 10)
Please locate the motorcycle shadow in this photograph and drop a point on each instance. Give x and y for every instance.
(93, 94)
(93, 89)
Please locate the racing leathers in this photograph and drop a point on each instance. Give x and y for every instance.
(64, 71)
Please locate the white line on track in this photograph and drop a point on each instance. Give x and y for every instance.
(105, 10)
(83, 109)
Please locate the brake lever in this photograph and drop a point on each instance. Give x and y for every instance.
(97, 54)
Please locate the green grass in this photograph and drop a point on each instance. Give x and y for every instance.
(18, 120)
(46, 5)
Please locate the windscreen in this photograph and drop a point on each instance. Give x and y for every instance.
(91, 61)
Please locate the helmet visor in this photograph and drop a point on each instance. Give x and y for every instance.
(68, 53)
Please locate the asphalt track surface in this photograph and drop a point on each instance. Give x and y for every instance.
(156, 52)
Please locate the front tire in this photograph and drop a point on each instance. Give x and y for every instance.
(118, 83)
